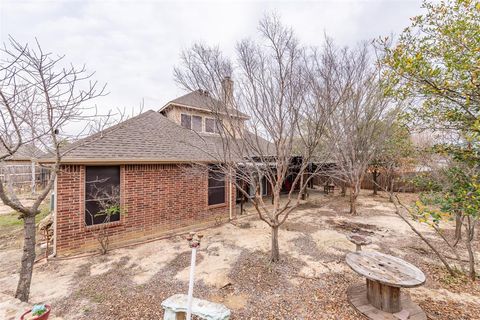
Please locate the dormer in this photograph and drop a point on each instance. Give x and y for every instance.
(200, 112)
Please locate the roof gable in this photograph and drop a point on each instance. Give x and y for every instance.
(201, 100)
(26, 152)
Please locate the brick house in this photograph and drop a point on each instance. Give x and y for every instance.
(148, 159)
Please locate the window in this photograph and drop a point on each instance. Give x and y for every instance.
(264, 186)
(209, 125)
(191, 122)
(212, 125)
(197, 123)
(102, 194)
(216, 186)
(186, 121)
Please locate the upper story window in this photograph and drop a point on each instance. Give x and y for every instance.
(212, 125)
(186, 121)
(197, 123)
(191, 122)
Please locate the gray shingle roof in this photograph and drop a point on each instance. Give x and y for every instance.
(151, 137)
(200, 100)
(148, 137)
(25, 152)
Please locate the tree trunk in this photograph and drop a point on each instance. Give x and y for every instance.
(471, 259)
(344, 190)
(375, 182)
(275, 251)
(392, 184)
(303, 188)
(471, 255)
(458, 228)
(353, 199)
(242, 200)
(28, 258)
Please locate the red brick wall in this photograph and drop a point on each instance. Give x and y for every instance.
(155, 199)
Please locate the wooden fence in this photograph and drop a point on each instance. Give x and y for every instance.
(401, 182)
(23, 175)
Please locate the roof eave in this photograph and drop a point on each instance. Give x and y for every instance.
(200, 109)
(100, 161)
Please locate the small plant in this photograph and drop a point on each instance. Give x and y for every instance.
(108, 206)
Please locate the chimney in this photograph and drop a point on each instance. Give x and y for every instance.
(227, 88)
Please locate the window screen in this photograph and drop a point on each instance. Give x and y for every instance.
(102, 194)
(216, 186)
(210, 125)
(186, 121)
(197, 123)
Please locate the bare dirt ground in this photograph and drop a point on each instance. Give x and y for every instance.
(309, 283)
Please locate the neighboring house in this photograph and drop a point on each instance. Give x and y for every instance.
(21, 170)
(148, 160)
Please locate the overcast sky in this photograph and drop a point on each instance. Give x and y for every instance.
(134, 45)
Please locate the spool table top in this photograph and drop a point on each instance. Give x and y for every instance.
(388, 270)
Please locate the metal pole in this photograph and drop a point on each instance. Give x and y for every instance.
(194, 242)
(190, 284)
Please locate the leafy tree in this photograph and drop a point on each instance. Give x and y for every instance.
(457, 197)
(435, 63)
(436, 60)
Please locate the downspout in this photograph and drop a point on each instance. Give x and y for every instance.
(230, 209)
(54, 212)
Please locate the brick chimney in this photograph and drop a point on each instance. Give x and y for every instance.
(227, 88)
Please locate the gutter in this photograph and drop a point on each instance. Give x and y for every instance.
(107, 161)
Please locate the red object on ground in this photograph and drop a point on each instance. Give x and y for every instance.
(42, 317)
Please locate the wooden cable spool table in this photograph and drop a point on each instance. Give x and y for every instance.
(381, 298)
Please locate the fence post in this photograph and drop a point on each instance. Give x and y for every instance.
(32, 182)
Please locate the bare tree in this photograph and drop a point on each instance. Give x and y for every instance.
(362, 122)
(107, 205)
(277, 88)
(39, 96)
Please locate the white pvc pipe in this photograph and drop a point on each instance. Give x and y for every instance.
(190, 284)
